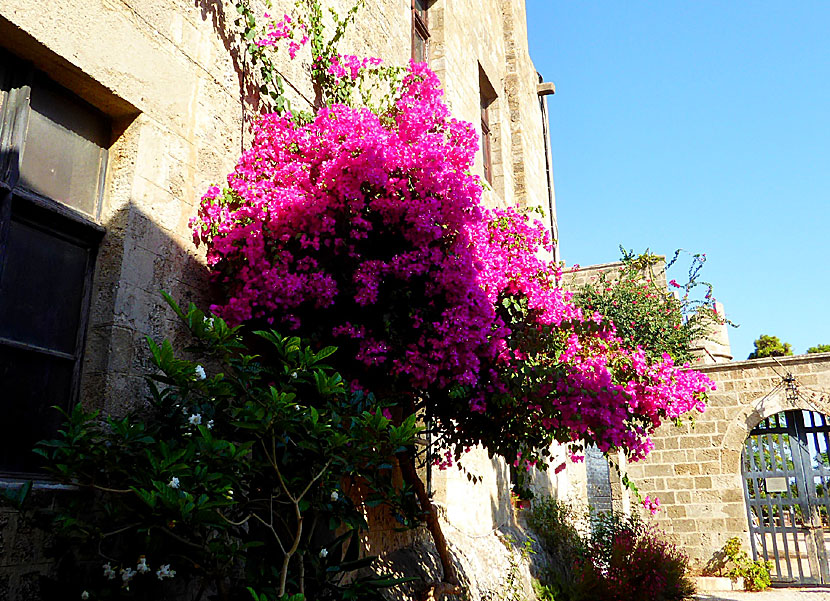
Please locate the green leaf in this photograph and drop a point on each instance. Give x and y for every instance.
(325, 352)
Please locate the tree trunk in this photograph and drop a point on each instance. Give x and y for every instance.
(406, 460)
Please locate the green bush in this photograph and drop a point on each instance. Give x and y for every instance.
(756, 574)
(554, 524)
(543, 592)
(645, 313)
(233, 479)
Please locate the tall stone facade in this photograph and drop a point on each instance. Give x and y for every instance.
(172, 86)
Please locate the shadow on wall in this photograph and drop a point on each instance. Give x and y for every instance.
(214, 10)
(137, 258)
(486, 556)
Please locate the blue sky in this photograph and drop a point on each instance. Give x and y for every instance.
(699, 125)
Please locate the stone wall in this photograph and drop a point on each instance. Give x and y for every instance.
(695, 470)
(173, 79)
(577, 276)
(170, 74)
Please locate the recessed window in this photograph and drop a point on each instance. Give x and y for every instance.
(487, 96)
(420, 31)
(52, 165)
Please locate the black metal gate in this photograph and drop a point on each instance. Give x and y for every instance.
(786, 474)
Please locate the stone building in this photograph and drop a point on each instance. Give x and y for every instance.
(116, 116)
(754, 465)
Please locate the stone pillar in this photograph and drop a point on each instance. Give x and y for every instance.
(715, 347)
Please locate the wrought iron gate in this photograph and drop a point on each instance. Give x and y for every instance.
(786, 474)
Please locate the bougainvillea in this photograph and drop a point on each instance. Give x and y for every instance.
(368, 231)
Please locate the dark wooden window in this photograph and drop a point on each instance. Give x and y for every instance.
(52, 161)
(420, 31)
(485, 141)
(487, 95)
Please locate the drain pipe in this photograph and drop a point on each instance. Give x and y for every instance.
(545, 89)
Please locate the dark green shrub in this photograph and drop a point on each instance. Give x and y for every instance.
(554, 524)
(233, 479)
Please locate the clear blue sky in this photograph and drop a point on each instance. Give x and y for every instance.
(702, 125)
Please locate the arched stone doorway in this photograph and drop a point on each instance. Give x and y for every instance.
(786, 480)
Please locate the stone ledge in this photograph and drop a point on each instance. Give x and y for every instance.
(718, 583)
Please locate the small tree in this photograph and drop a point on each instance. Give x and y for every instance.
(231, 478)
(648, 316)
(819, 348)
(770, 346)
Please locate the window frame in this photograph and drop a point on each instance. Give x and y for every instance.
(486, 140)
(487, 97)
(420, 27)
(58, 220)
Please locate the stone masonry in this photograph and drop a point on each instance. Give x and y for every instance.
(171, 76)
(695, 470)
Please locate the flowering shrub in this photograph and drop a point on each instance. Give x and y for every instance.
(621, 559)
(628, 561)
(368, 230)
(361, 225)
(232, 479)
(648, 315)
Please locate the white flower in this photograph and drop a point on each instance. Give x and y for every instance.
(174, 482)
(127, 574)
(195, 419)
(142, 567)
(200, 372)
(210, 424)
(85, 595)
(294, 374)
(165, 572)
(323, 553)
(209, 322)
(297, 407)
(229, 493)
(334, 496)
(109, 572)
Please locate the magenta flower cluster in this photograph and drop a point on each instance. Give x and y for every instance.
(368, 232)
(346, 66)
(283, 29)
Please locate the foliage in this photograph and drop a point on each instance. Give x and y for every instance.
(543, 592)
(819, 348)
(511, 588)
(770, 346)
(337, 78)
(554, 524)
(238, 476)
(646, 314)
(756, 574)
(621, 559)
(367, 229)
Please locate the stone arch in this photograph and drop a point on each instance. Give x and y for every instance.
(751, 414)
